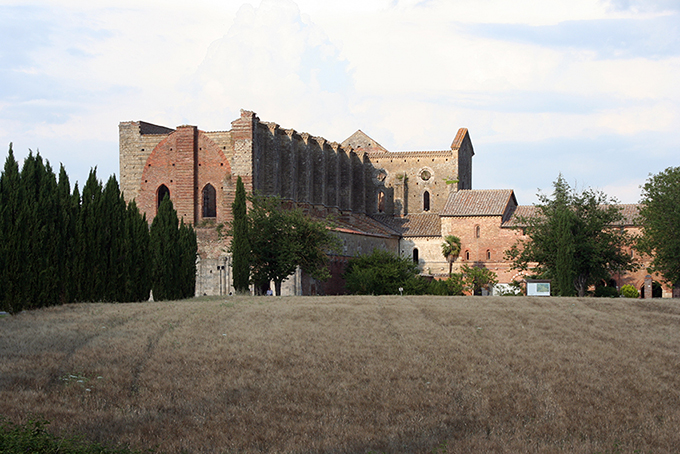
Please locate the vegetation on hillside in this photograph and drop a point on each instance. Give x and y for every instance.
(573, 240)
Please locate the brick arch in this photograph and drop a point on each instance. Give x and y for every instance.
(185, 161)
(214, 169)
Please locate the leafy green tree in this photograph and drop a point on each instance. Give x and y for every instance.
(282, 239)
(477, 278)
(660, 217)
(379, 273)
(240, 246)
(451, 250)
(574, 238)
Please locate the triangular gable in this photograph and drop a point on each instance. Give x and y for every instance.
(360, 140)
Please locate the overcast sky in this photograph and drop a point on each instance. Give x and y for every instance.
(588, 88)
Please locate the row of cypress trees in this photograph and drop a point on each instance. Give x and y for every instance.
(58, 247)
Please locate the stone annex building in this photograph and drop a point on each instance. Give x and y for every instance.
(405, 202)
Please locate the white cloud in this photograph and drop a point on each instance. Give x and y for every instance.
(409, 73)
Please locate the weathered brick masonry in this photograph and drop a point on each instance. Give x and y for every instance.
(405, 202)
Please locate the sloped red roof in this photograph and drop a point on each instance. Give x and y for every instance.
(364, 225)
(630, 214)
(479, 202)
(413, 225)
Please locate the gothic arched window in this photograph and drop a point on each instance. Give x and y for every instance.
(426, 201)
(161, 193)
(209, 202)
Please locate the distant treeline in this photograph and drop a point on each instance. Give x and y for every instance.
(58, 246)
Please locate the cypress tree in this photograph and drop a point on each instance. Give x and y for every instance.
(10, 241)
(68, 205)
(89, 238)
(240, 246)
(188, 249)
(112, 219)
(165, 253)
(138, 276)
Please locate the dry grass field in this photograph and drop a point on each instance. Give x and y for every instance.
(352, 374)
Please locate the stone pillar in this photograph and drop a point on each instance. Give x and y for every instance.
(648, 286)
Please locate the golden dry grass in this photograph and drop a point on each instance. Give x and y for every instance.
(352, 374)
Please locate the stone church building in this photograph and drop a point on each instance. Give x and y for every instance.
(405, 202)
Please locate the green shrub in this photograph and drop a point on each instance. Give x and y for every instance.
(32, 437)
(452, 286)
(628, 291)
(382, 273)
(606, 292)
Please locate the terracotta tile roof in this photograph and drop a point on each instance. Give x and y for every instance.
(522, 211)
(364, 225)
(630, 213)
(458, 140)
(479, 202)
(427, 224)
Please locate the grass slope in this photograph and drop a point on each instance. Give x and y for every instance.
(352, 374)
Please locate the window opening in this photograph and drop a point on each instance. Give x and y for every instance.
(209, 202)
(426, 201)
(161, 193)
(488, 254)
(381, 202)
(478, 231)
(467, 255)
(415, 255)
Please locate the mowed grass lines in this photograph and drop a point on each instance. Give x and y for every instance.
(352, 374)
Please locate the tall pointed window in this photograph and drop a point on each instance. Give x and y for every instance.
(381, 202)
(415, 256)
(426, 201)
(161, 193)
(209, 201)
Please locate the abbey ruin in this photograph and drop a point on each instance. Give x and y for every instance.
(405, 202)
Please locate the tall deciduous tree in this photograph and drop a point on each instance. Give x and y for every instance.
(281, 239)
(451, 250)
(575, 239)
(240, 246)
(660, 217)
(477, 278)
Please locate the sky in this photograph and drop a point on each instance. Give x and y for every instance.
(586, 88)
